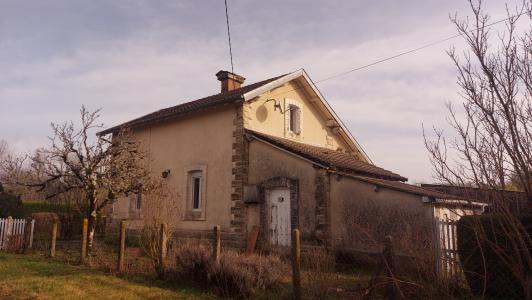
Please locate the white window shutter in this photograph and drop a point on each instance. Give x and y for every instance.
(297, 121)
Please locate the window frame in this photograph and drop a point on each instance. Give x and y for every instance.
(293, 109)
(193, 212)
(196, 177)
(291, 106)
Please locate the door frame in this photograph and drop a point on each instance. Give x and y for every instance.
(264, 189)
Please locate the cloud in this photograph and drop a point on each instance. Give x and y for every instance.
(134, 57)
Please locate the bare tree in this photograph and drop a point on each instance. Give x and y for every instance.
(3, 148)
(492, 150)
(99, 167)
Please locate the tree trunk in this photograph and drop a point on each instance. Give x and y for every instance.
(91, 232)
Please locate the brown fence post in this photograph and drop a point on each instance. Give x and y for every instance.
(53, 238)
(27, 235)
(296, 264)
(84, 230)
(162, 247)
(122, 247)
(216, 244)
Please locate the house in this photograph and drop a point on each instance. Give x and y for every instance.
(274, 154)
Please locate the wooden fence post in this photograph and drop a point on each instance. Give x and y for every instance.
(84, 229)
(296, 264)
(26, 235)
(31, 233)
(9, 229)
(162, 247)
(216, 244)
(122, 247)
(53, 238)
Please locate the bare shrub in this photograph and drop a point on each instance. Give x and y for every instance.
(319, 265)
(240, 276)
(236, 275)
(191, 261)
(489, 156)
(368, 223)
(162, 206)
(14, 243)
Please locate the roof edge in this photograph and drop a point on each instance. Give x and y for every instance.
(317, 161)
(302, 73)
(168, 118)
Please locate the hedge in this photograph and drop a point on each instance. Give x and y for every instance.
(10, 205)
(500, 282)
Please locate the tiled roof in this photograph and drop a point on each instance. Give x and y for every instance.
(408, 188)
(189, 107)
(331, 158)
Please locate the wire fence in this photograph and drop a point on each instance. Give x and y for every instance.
(307, 271)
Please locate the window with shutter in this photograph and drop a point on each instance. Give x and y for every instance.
(295, 119)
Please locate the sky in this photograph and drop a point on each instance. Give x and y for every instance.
(132, 57)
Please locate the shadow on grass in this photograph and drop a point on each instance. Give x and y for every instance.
(22, 266)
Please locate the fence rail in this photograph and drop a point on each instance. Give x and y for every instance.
(15, 229)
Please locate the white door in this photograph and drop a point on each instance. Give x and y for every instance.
(279, 204)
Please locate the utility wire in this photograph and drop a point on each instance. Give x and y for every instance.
(409, 51)
(390, 58)
(229, 36)
(397, 55)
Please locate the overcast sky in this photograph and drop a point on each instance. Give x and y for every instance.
(132, 57)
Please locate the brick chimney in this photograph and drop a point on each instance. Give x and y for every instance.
(230, 81)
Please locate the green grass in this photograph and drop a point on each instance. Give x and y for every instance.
(37, 277)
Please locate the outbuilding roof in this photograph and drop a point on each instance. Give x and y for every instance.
(405, 187)
(328, 157)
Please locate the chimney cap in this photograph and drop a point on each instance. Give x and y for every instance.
(225, 75)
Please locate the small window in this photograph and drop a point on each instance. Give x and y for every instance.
(138, 201)
(196, 190)
(295, 119)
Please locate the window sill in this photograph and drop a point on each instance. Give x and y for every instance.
(194, 216)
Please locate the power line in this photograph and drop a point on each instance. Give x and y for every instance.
(397, 55)
(229, 36)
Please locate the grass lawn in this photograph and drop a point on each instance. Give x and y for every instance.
(36, 277)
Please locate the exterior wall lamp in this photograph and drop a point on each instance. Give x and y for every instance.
(276, 105)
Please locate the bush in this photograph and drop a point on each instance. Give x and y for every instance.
(495, 274)
(319, 264)
(236, 275)
(10, 205)
(240, 276)
(192, 262)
